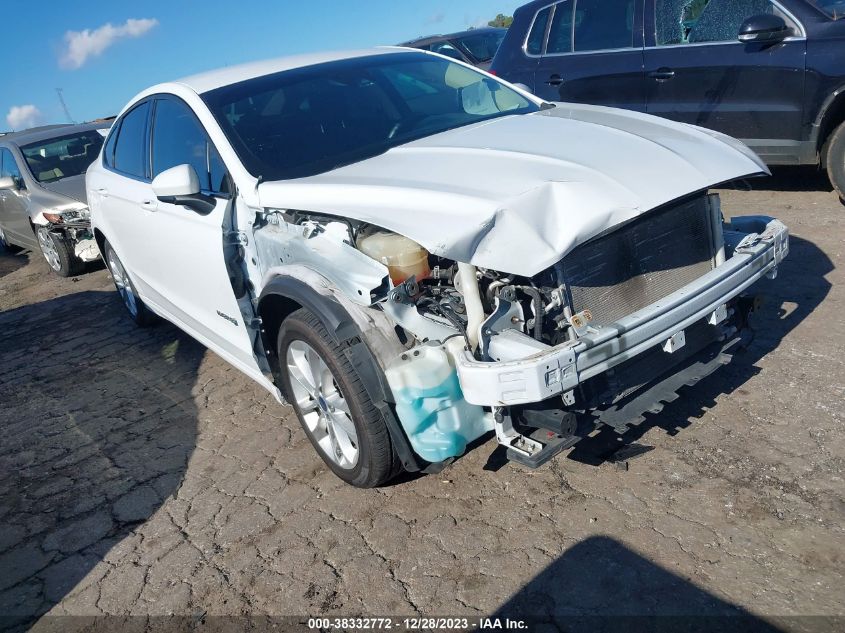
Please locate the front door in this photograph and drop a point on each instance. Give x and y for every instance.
(184, 264)
(593, 54)
(697, 71)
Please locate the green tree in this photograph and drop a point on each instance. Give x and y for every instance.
(501, 21)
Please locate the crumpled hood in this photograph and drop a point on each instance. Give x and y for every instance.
(72, 187)
(517, 193)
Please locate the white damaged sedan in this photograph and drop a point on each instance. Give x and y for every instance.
(413, 253)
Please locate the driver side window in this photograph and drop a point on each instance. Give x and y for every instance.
(702, 21)
(178, 139)
(9, 165)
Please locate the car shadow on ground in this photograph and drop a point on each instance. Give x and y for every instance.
(798, 290)
(11, 259)
(83, 464)
(600, 584)
(793, 178)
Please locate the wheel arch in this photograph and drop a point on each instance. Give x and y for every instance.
(831, 115)
(285, 294)
(101, 240)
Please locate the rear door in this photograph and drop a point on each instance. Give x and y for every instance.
(593, 53)
(14, 204)
(699, 72)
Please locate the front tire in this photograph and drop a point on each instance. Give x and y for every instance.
(137, 309)
(332, 404)
(834, 153)
(59, 253)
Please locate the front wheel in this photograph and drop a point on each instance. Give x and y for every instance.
(59, 253)
(137, 309)
(332, 404)
(835, 160)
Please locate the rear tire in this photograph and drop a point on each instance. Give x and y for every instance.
(834, 153)
(137, 309)
(59, 253)
(330, 400)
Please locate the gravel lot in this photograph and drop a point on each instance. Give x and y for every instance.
(140, 474)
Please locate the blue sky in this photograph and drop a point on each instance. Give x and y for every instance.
(47, 47)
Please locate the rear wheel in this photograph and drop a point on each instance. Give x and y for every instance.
(834, 152)
(332, 404)
(137, 309)
(59, 253)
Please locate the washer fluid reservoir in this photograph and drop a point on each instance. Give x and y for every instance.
(403, 257)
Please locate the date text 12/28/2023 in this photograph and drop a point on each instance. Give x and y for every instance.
(416, 624)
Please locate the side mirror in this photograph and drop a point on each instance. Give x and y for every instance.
(7, 182)
(180, 185)
(765, 29)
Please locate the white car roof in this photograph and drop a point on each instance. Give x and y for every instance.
(212, 79)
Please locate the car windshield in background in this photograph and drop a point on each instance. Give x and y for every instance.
(62, 157)
(311, 120)
(482, 46)
(834, 8)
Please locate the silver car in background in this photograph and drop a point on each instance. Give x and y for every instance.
(43, 204)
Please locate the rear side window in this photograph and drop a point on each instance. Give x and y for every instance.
(130, 148)
(560, 33)
(534, 44)
(603, 24)
(108, 151)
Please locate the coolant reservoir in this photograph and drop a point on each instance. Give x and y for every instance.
(404, 258)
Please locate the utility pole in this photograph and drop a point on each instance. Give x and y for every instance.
(64, 105)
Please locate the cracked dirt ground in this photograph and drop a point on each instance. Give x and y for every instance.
(143, 475)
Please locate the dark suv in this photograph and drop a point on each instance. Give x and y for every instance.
(770, 72)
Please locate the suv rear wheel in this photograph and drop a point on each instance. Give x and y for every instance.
(332, 404)
(835, 162)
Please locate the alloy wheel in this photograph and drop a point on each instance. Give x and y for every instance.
(48, 249)
(322, 405)
(121, 281)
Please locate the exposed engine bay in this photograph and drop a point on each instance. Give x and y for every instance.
(486, 350)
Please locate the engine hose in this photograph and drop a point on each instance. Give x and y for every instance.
(448, 315)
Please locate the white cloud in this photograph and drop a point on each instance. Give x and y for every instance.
(82, 45)
(23, 116)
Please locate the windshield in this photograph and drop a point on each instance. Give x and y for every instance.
(482, 46)
(834, 8)
(62, 157)
(311, 120)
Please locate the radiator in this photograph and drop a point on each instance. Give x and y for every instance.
(641, 262)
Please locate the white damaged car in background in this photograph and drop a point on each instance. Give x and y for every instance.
(42, 192)
(415, 254)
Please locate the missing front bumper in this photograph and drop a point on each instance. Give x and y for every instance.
(559, 370)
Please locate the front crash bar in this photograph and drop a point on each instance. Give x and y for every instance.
(558, 370)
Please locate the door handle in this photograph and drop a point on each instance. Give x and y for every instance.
(103, 192)
(150, 205)
(662, 74)
(555, 80)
